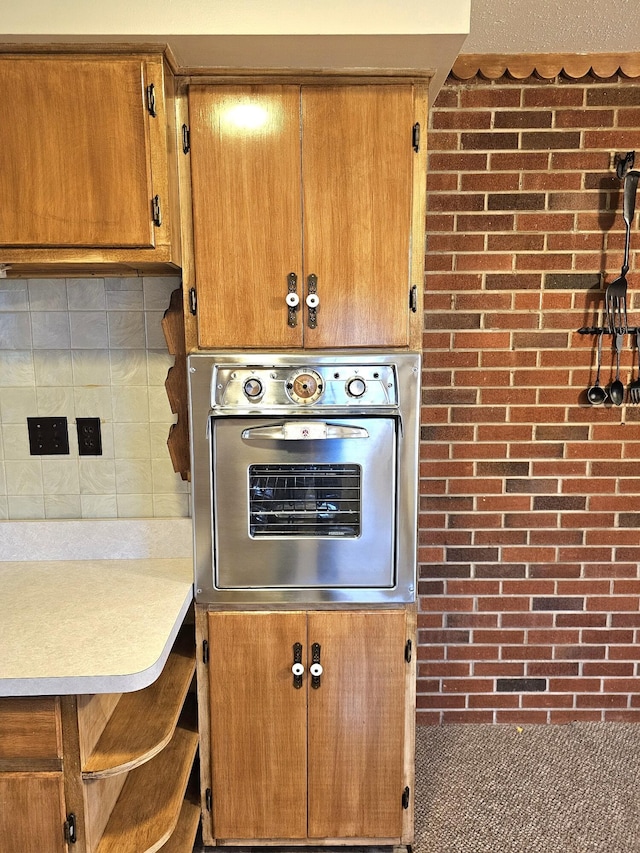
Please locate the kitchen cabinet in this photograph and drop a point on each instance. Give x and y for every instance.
(88, 176)
(102, 773)
(315, 759)
(311, 192)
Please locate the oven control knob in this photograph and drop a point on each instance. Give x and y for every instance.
(356, 387)
(252, 388)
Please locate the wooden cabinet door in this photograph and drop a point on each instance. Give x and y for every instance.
(258, 726)
(245, 168)
(356, 725)
(75, 161)
(32, 813)
(357, 174)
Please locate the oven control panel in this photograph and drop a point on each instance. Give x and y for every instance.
(303, 386)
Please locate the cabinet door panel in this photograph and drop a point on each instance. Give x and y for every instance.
(356, 725)
(32, 813)
(258, 726)
(357, 165)
(245, 166)
(75, 155)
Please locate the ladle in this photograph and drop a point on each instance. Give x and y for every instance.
(597, 394)
(616, 389)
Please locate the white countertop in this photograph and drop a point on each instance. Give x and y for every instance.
(90, 625)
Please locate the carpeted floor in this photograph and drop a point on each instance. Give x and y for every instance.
(535, 789)
(538, 789)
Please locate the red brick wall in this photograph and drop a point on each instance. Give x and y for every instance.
(530, 498)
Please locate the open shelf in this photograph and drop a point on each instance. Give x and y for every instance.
(150, 805)
(143, 722)
(184, 834)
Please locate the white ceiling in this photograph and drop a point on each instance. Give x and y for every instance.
(554, 26)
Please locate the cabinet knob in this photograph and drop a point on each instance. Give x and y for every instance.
(312, 300)
(297, 669)
(316, 670)
(292, 300)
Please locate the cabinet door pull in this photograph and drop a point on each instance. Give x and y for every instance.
(151, 100)
(315, 669)
(292, 298)
(312, 300)
(298, 668)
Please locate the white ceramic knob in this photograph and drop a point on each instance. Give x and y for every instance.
(297, 669)
(316, 669)
(292, 299)
(312, 300)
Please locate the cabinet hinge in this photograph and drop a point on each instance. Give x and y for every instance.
(151, 100)
(70, 829)
(208, 799)
(405, 797)
(156, 211)
(413, 299)
(205, 651)
(186, 139)
(408, 649)
(193, 301)
(415, 137)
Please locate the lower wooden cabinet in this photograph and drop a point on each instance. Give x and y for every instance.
(32, 812)
(325, 755)
(103, 773)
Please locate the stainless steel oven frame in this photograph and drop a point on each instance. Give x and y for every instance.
(206, 408)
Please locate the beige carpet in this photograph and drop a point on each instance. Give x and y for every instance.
(538, 789)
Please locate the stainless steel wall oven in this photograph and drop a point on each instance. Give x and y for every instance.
(304, 476)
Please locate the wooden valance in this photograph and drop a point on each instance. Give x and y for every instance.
(546, 66)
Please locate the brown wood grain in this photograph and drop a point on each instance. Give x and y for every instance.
(258, 726)
(246, 212)
(356, 724)
(143, 722)
(25, 826)
(546, 65)
(76, 153)
(30, 727)
(357, 166)
(149, 805)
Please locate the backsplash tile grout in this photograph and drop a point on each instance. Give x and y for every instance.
(87, 348)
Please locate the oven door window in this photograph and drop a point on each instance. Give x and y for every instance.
(305, 500)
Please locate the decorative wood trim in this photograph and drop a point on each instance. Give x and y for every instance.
(546, 65)
(176, 385)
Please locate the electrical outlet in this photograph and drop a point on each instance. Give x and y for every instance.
(48, 436)
(89, 437)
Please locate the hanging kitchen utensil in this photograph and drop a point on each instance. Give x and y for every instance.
(596, 394)
(634, 387)
(616, 292)
(616, 389)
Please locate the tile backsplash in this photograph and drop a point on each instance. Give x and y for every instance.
(91, 348)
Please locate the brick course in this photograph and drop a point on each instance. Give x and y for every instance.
(529, 543)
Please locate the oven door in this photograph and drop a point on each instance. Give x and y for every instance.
(304, 502)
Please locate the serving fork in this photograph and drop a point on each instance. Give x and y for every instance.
(616, 292)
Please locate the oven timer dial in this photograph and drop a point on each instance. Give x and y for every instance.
(304, 386)
(356, 386)
(252, 388)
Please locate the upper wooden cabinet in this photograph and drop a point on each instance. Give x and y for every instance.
(85, 174)
(317, 187)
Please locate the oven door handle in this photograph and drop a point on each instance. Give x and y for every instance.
(304, 431)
